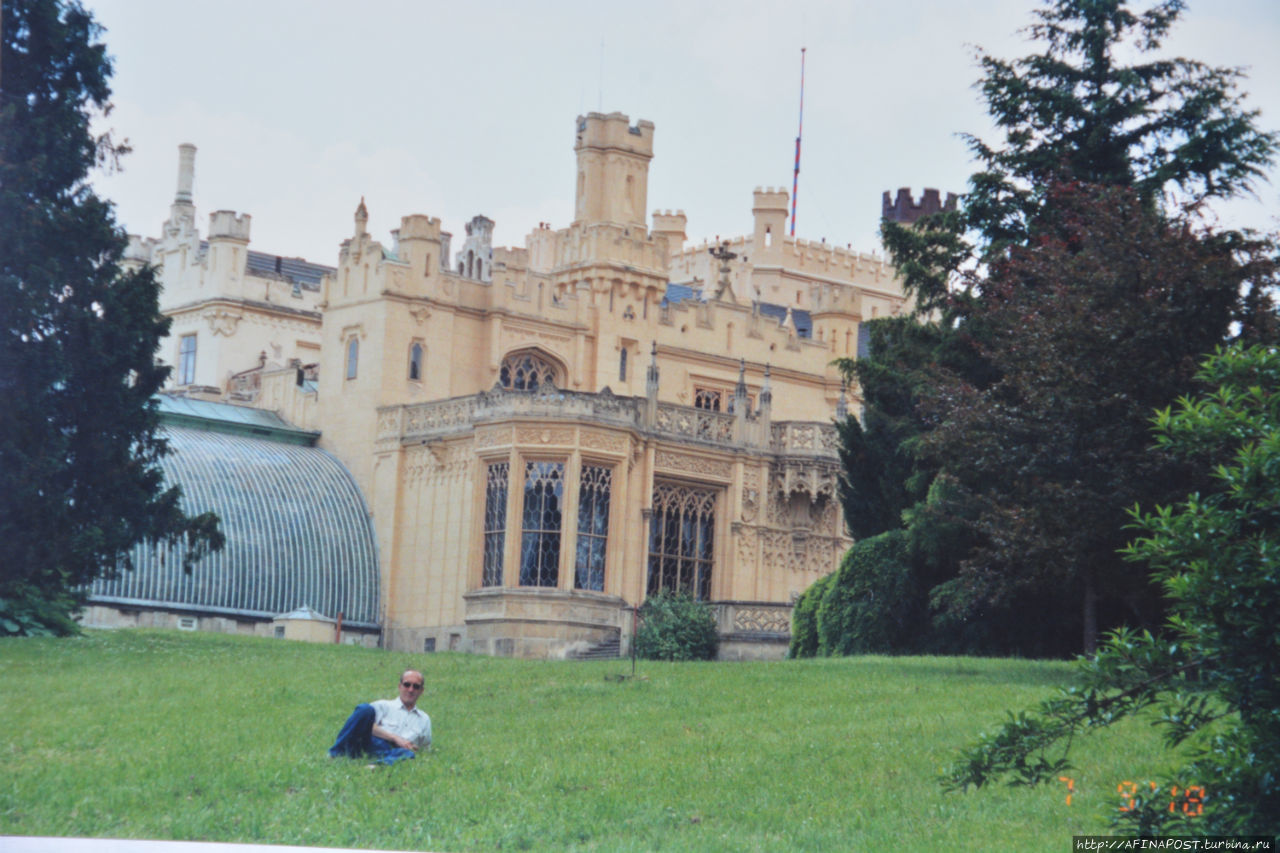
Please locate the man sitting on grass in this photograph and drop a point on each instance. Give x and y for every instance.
(387, 730)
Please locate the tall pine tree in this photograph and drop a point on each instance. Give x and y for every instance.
(79, 450)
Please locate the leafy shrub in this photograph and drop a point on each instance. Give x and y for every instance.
(871, 604)
(676, 627)
(24, 612)
(804, 619)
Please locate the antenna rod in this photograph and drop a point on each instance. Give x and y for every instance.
(795, 177)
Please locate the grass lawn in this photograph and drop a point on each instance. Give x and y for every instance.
(152, 734)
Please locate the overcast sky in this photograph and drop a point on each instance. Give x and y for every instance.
(301, 107)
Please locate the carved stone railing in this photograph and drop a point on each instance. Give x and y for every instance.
(669, 421)
(689, 422)
(804, 437)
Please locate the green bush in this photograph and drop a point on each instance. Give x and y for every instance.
(676, 627)
(25, 612)
(804, 620)
(871, 604)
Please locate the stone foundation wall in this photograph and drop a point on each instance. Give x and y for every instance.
(540, 623)
(112, 617)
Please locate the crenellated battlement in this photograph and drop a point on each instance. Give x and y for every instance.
(228, 225)
(770, 198)
(418, 226)
(904, 210)
(615, 131)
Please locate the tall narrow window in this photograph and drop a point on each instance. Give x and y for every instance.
(622, 365)
(540, 531)
(593, 527)
(682, 540)
(415, 362)
(187, 360)
(353, 356)
(495, 523)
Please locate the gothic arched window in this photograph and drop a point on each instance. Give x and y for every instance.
(525, 372)
(682, 540)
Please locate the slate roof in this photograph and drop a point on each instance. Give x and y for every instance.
(804, 323)
(297, 270)
(298, 531)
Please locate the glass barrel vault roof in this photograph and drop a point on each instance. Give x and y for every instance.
(298, 533)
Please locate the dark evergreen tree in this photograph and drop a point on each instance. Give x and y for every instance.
(79, 480)
(1175, 132)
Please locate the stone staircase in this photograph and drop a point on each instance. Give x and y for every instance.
(610, 649)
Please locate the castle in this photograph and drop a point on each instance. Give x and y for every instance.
(544, 436)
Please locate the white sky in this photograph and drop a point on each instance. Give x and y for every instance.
(300, 107)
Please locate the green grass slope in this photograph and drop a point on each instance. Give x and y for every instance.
(147, 734)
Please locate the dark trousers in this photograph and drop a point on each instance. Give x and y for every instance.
(357, 740)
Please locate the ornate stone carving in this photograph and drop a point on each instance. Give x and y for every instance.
(389, 423)
(771, 620)
(223, 322)
(690, 422)
(611, 442)
(419, 313)
(544, 435)
(683, 463)
(493, 438)
(748, 546)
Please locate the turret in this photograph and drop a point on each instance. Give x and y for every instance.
(613, 169)
(475, 256)
(672, 226)
(769, 207)
(905, 211)
(228, 236)
(419, 245)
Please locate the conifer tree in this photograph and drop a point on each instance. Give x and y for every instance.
(1174, 133)
(79, 450)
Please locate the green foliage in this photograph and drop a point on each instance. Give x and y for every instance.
(1023, 371)
(38, 613)
(675, 626)
(79, 480)
(804, 619)
(872, 605)
(1089, 332)
(1076, 112)
(1213, 678)
(812, 755)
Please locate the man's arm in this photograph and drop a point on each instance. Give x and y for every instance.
(403, 743)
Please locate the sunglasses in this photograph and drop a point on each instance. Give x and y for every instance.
(416, 685)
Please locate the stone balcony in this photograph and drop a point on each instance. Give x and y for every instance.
(682, 424)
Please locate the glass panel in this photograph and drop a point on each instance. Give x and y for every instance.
(594, 492)
(495, 523)
(681, 541)
(540, 537)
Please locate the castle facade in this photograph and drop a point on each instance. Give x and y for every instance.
(546, 435)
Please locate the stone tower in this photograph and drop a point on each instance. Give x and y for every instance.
(613, 169)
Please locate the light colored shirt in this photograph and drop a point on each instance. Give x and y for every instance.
(412, 724)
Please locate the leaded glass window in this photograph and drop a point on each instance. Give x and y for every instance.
(525, 372)
(495, 522)
(682, 540)
(593, 527)
(707, 398)
(540, 529)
